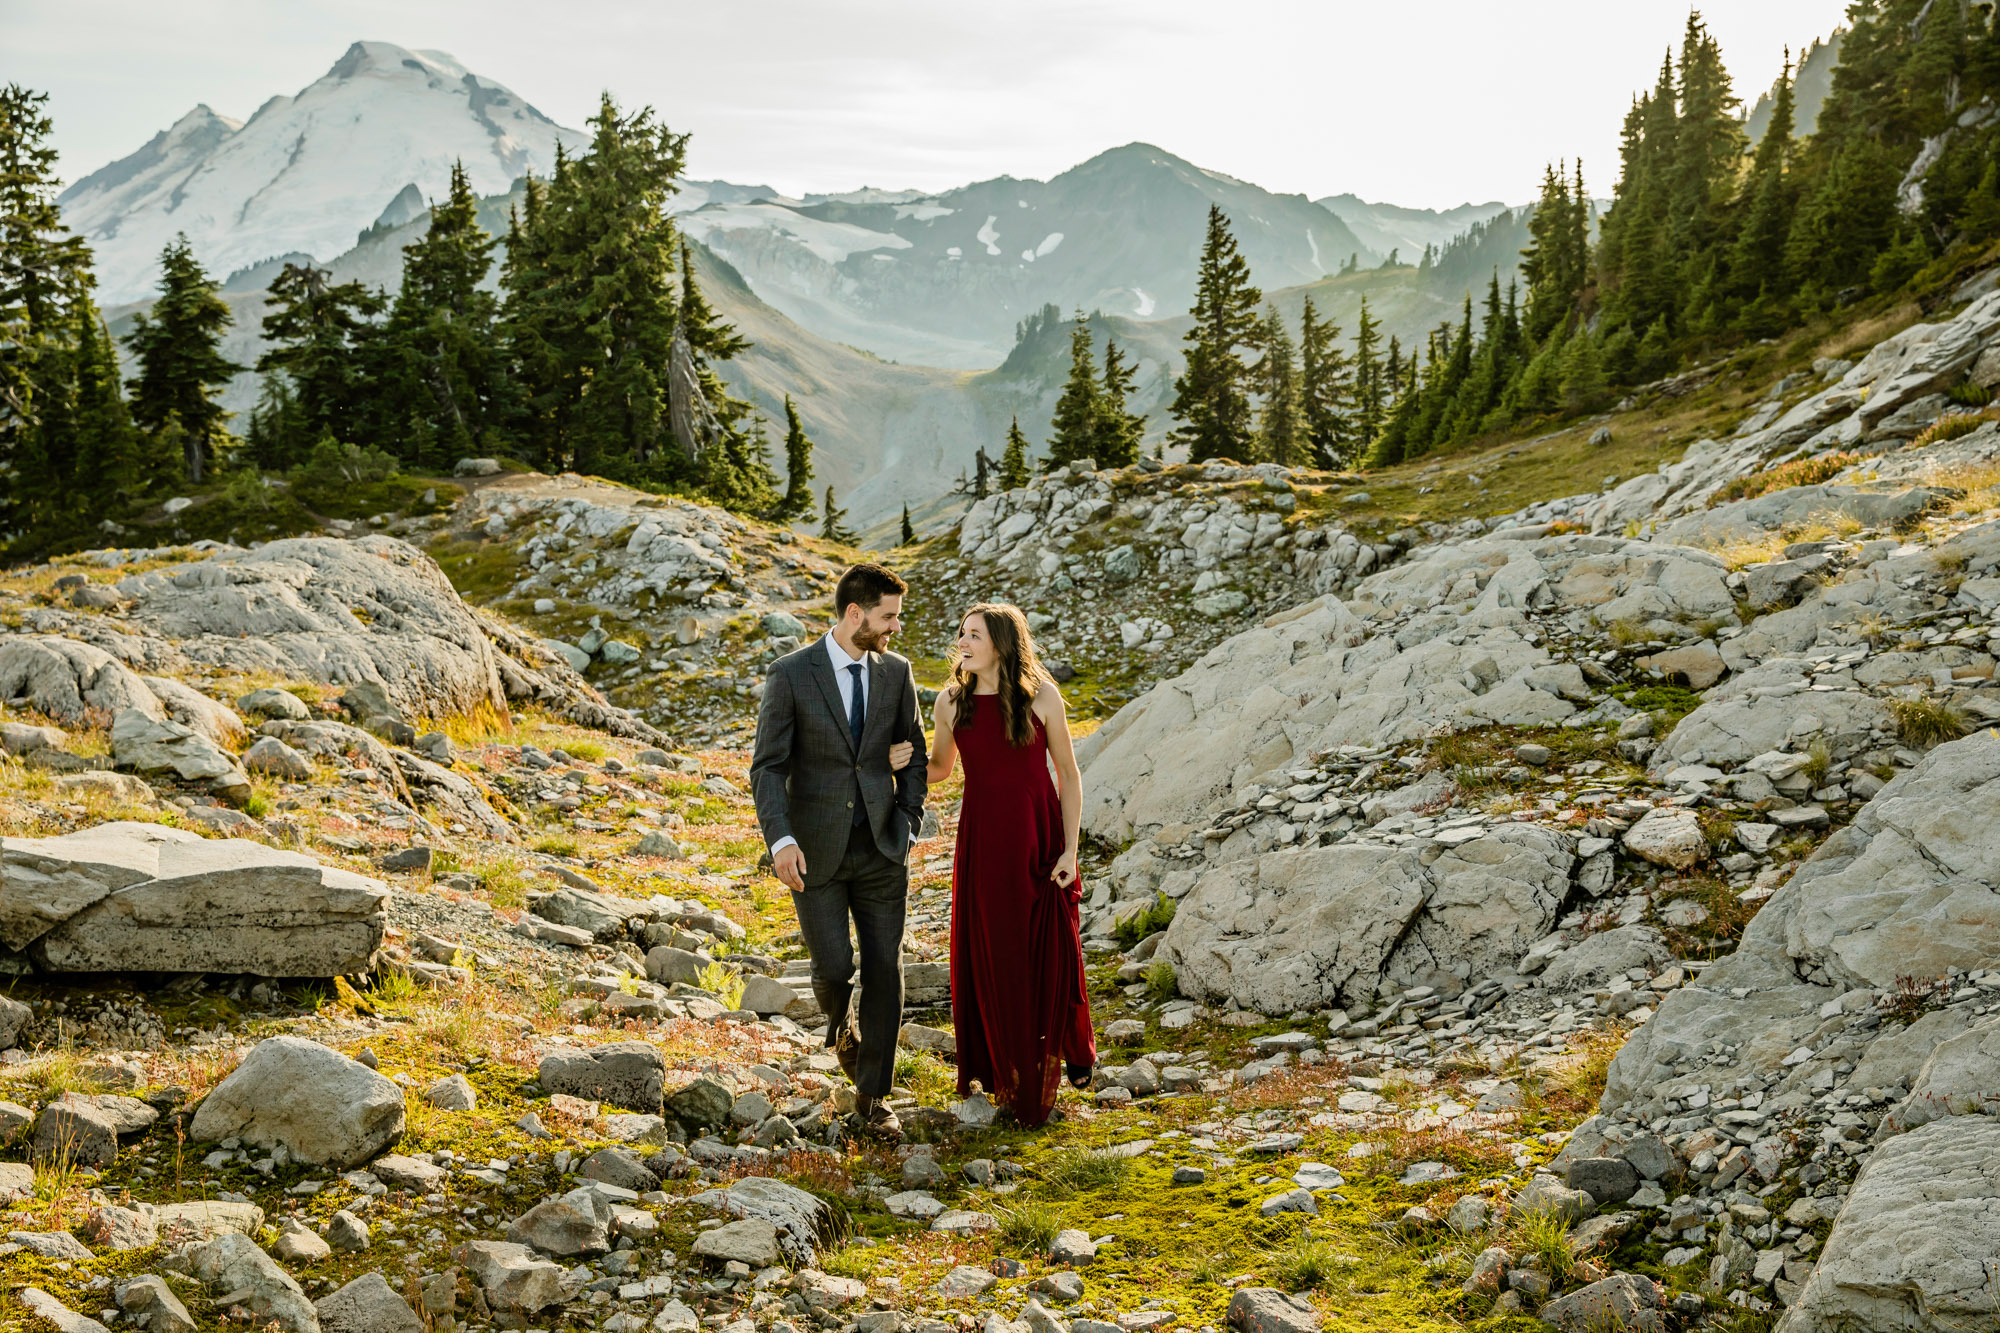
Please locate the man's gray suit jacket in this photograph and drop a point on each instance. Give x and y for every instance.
(806, 773)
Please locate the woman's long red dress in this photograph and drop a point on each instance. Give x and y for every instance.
(1019, 1003)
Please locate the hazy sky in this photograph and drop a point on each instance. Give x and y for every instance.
(1424, 104)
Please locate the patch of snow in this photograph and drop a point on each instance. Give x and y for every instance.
(1314, 243)
(987, 235)
(955, 252)
(1022, 202)
(832, 242)
(1049, 243)
(1146, 303)
(1027, 256)
(923, 212)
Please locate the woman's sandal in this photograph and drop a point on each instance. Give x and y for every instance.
(1078, 1075)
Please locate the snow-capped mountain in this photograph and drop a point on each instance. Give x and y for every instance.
(944, 279)
(372, 139)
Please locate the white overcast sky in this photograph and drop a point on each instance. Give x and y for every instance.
(1427, 104)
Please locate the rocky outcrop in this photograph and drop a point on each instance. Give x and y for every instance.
(1305, 929)
(1913, 1247)
(150, 898)
(371, 611)
(1440, 642)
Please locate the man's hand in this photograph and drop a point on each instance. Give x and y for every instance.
(790, 867)
(899, 755)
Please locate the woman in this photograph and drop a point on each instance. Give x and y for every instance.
(1019, 1002)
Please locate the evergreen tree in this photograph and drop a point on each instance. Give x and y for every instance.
(178, 345)
(320, 337)
(1370, 380)
(1073, 430)
(982, 467)
(909, 533)
(798, 498)
(45, 283)
(1279, 422)
(1211, 396)
(1014, 461)
(591, 311)
(1769, 201)
(1556, 263)
(276, 437)
(833, 526)
(444, 379)
(1118, 430)
(115, 462)
(1326, 388)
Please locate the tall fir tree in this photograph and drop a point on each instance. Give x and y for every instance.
(47, 321)
(1326, 392)
(1119, 431)
(444, 375)
(1014, 460)
(321, 337)
(1371, 380)
(833, 522)
(591, 309)
(1768, 202)
(1280, 423)
(1073, 430)
(1212, 394)
(797, 502)
(178, 345)
(909, 533)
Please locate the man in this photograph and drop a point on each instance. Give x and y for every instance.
(839, 821)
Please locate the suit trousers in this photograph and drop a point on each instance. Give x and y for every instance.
(874, 890)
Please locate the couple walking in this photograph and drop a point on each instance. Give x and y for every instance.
(839, 773)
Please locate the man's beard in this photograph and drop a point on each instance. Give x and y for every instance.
(871, 640)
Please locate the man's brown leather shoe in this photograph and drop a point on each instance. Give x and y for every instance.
(878, 1120)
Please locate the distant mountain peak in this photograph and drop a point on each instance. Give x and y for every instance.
(308, 172)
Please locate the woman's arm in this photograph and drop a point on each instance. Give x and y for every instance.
(944, 745)
(1069, 780)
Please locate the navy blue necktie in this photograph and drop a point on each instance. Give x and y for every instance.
(856, 717)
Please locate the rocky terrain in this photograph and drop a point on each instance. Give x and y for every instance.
(1582, 912)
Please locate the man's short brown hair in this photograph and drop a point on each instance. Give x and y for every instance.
(865, 585)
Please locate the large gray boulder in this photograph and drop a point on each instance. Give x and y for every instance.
(576, 1223)
(321, 1106)
(630, 1074)
(367, 1305)
(1743, 718)
(146, 897)
(191, 708)
(1326, 925)
(64, 678)
(514, 1277)
(1913, 1247)
(161, 745)
(233, 1265)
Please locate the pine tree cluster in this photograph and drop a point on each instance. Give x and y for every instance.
(598, 355)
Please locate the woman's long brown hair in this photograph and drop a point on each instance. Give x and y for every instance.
(1021, 672)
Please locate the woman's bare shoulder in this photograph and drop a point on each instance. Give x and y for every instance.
(1048, 696)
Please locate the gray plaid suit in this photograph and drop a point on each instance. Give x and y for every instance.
(806, 775)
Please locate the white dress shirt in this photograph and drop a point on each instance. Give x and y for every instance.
(849, 686)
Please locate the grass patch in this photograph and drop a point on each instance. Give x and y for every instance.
(557, 844)
(1306, 1261)
(1954, 425)
(1925, 722)
(930, 1080)
(1029, 1228)
(1074, 1171)
(1803, 472)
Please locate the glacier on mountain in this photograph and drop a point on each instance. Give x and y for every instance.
(309, 172)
